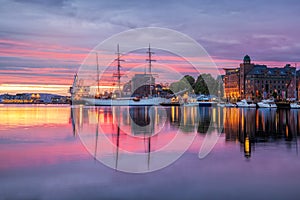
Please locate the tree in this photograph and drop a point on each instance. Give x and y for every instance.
(187, 82)
(200, 86)
(190, 80)
(206, 84)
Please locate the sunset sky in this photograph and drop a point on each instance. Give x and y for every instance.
(44, 42)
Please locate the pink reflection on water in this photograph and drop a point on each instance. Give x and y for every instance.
(34, 135)
(43, 135)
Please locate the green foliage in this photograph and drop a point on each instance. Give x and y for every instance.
(205, 84)
(189, 79)
(187, 82)
(201, 86)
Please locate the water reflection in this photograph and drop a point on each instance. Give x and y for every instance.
(33, 135)
(141, 129)
(14, 116)
(150, 128)
(35, 155)
(255, 126)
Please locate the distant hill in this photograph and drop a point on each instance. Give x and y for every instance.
(44, 97)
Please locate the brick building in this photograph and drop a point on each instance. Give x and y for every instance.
(259, 81)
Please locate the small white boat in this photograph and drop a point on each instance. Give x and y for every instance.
(223, 104)
(230, 105)
(244, 104)
(295, 105)
(267, 103)
(206, 101)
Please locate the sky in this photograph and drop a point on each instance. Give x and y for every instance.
(44, 42)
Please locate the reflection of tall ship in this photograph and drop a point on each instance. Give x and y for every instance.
(144, 84)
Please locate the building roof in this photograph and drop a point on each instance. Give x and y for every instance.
(263, 69)
(257, 69)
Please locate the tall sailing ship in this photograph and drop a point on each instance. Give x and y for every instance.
(80, 94)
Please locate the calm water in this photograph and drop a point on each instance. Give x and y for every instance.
(42, 156)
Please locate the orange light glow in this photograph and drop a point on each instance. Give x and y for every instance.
(14, 117)
(26, 88)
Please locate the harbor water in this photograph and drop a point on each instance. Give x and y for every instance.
(59, 152)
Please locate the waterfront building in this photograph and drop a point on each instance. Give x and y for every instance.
(298, 84)
(142, 84)
(259, 81)
(78, 89)
(231, 83)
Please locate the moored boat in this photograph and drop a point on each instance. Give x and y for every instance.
(267, 103)
(206, 101)
(117, 99)
(244, 104)
(223, 104)
(295, 105)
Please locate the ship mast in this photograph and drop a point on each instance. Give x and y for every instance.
(150, 60)
(119, 60)
(73, 88)
(74, 85)
(98, 81)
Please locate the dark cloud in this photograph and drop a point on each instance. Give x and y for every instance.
(268, 30)
(54, 3)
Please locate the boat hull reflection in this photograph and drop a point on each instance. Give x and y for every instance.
(150, 129)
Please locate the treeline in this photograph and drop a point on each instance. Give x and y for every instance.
(205, 84)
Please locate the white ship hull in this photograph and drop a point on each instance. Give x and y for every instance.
(124, 102)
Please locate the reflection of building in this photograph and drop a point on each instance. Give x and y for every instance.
(250, 126)
(252, 80)
(247, 147)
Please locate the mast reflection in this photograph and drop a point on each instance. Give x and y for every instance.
(129, 126)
